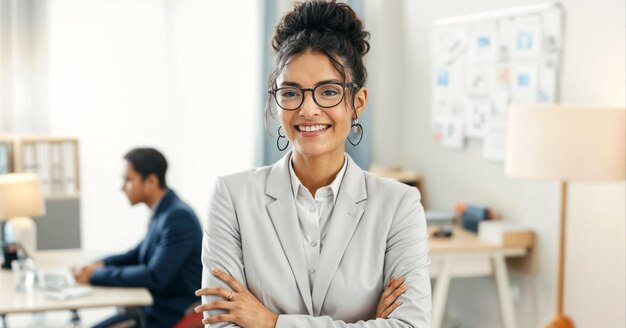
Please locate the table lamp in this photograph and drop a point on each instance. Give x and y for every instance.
(565, 143)
(20, 199)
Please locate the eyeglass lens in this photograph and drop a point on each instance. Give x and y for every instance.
(325, 95)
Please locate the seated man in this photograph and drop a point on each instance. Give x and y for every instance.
(167, 261)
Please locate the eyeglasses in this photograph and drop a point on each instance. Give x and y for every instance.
(325, 95)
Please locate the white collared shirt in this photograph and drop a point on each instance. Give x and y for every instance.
(156, 204)
(314, 214)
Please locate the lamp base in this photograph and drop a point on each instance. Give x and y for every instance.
(9, 253)
(22, 230)
(561, 321)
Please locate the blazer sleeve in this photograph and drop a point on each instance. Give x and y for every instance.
(129, 258)
(172, 249)
(221, 246)
(406, 255)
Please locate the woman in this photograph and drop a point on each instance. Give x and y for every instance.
(313, 240)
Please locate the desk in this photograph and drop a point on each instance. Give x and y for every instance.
(12, 301)
(446, 252)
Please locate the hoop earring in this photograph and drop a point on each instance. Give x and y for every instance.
(356, 129)
(281, 136)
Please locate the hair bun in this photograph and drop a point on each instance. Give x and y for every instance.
(322, 17)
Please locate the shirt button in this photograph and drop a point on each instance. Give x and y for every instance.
(312, 271)
(314, 243)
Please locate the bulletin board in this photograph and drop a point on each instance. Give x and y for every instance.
(484, 62)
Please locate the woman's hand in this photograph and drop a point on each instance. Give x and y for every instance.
(243, 308)
(388, 301)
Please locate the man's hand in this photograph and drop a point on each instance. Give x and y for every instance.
(83, 275)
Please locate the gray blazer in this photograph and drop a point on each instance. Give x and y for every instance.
(377, 230)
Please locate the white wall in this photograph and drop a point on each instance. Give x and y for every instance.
(594, 73)
(23, 67)
(180, 76)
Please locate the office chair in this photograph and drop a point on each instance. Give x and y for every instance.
(191, 319)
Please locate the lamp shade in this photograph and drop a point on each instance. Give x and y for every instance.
(20, 195)
(568, 143)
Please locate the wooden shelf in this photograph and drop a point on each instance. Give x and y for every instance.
(409, 177)
(397, 173)
(54, 158)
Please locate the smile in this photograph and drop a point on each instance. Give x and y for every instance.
(312, 128)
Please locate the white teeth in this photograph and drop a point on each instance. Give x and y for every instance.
(311, 128)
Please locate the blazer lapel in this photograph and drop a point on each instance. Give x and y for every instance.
(149, 242)
(282, 212)
(343, 222)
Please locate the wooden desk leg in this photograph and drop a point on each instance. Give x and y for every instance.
(504, 291)
(440, 292)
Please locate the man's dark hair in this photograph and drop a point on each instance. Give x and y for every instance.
(148, 161)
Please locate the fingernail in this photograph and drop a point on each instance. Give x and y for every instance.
(215, 270)
(196, 309)
(198, 292)
(404, 287)
(398, 302)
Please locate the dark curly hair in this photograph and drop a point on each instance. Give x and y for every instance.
(322, 26)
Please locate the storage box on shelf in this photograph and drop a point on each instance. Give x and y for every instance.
(56, 160)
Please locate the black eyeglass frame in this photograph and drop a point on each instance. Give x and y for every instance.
(352, 85)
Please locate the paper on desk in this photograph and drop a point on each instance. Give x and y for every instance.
(68, 293)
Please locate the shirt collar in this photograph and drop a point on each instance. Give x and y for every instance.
(156, 204)
(334, 186)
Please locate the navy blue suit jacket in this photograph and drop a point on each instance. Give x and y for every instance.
(166, 262)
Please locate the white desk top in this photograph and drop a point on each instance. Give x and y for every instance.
(12, 301)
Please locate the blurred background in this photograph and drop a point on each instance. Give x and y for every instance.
(188, 77)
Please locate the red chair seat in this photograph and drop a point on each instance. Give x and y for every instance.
(190, 320)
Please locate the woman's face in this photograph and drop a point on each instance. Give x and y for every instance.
(313, 130)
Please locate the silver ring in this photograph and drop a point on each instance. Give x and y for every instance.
(230, 297)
